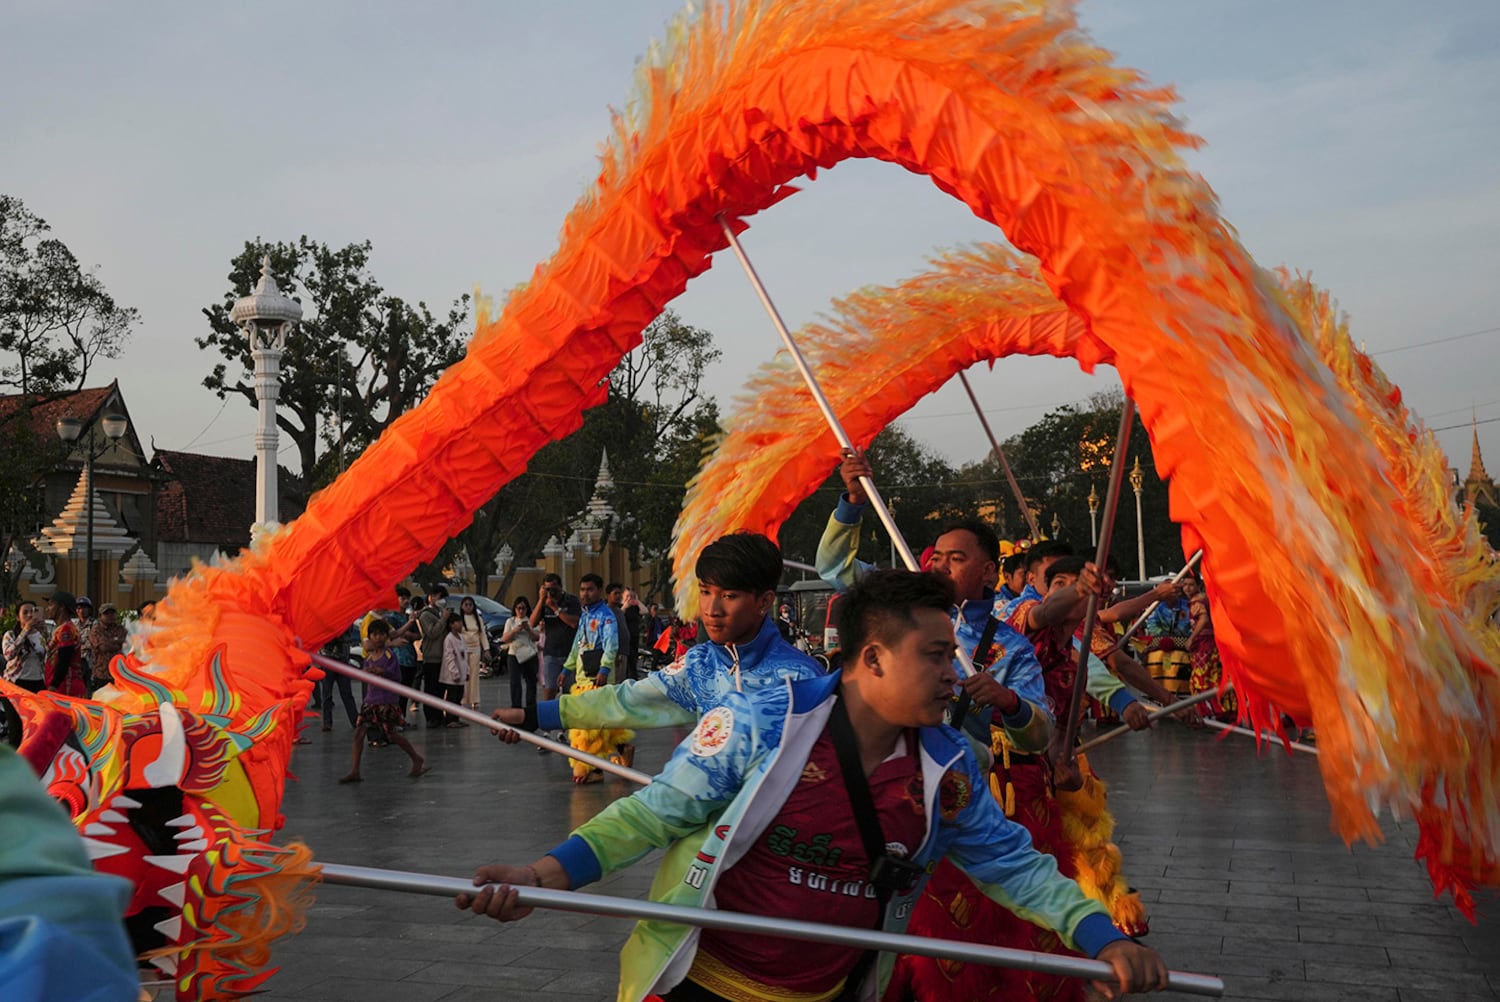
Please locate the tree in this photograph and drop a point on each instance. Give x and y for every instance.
(917, 484)
(56, 319)
(1058, 461)
(358, 359)
(23, 455)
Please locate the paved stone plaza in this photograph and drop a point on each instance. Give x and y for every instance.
(1231, 849)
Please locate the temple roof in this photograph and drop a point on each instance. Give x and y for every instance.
(211, 499)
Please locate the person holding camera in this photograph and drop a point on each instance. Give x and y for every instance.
(809, 799)
(26, 649)
(557, 613)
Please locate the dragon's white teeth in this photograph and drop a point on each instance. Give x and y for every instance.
(184, 821)
(167, 964)
(124, 803)
(174, 893)
(115, 816)
(171, 928)
(198, 846)
(94, 828)
(101, 850)
(177, 864)
(193, 832)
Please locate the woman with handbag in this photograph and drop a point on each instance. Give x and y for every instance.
(521, 637)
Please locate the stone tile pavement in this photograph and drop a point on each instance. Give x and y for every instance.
(1230, 847)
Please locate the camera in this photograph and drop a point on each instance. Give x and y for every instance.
(894, 875)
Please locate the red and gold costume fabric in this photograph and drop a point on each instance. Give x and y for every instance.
(811, 862)
(64, 667)
(1208, 672)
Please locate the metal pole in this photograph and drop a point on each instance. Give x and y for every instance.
(1157, 714)
(1010, 477)
(1232, 729)
(1146, 614)
(711, 918)
(876, 501)
(868, 483)
(1140, 538)
(1101, 555)
(475, 717)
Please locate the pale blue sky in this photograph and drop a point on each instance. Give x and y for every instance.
(1356, 139)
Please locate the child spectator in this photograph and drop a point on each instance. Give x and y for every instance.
(380, 711)
(454, 671)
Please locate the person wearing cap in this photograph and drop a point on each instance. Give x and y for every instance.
(106, 638)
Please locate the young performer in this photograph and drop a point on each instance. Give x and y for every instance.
(757, 808)
(737, 578)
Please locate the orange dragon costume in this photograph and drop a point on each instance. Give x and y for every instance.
(1011, 109)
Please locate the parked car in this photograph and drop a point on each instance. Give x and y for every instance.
(494, 614)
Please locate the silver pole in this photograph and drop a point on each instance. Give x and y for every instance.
(1101, 555)
(845, 442)
(1146, 614)
(1010, 477)
(475, 717)
(1156, 714)
(707, 918)
(1233, 729)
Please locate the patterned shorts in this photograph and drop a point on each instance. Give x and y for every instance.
(380, 716)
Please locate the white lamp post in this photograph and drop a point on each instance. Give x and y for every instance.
(69, 429)
(266, 316)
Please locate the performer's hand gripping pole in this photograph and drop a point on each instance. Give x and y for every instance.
(1101, 556)
(475, 717)
(868, 483)
(713, 918)
(1010, 477)
(1146, 613)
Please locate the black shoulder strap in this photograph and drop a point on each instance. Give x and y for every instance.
(847, 747)
(981, 663)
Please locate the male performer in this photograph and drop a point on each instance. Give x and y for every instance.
(737, 578)
(968, 554)
(757, 807)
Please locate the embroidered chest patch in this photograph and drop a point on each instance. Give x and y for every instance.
(953, 794)
(713, 732)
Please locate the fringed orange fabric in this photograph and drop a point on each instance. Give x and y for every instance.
(1391, 646)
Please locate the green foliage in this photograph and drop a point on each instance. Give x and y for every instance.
(358, 359)
(56, 319)
(916, 482)
(1058, 461)
(23, 457)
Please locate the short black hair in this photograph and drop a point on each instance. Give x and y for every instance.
(1015, 562)
(378, 626)
(437, 590)
(880, 607)
(452, 617)
(1047, 549)
(551, 578)
(740, 561)
(989, 543)
(66, 601)
(1065, 565)
(403, 592)
(614, 586)
(592, 579)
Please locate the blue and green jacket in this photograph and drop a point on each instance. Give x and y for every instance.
(1013, 664)
(725, 785)
(685, 690)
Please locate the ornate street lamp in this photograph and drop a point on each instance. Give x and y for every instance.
(69, 429)
(266, 317)
(1137, 481)
(1093, 516)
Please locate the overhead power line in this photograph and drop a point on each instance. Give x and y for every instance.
(1438, 340)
